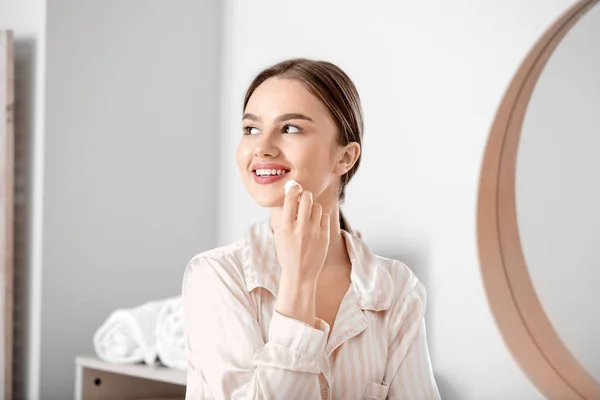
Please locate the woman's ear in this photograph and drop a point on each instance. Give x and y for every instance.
(349, 156)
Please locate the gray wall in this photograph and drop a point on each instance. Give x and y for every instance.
(130, 159)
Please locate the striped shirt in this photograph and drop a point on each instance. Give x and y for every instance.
(239, 347)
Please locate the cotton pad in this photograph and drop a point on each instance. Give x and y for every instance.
(290, 183)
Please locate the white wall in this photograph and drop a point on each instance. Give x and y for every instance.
(430, 75)
(131, 141)
(27, 18)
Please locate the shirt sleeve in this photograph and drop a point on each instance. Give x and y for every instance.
(227, 356)
(408, 357)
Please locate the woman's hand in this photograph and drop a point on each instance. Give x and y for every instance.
(301, 243)
(302, 238)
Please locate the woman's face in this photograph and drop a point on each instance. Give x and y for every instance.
(287, 134)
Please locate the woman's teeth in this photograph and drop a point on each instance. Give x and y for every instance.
(268, 172)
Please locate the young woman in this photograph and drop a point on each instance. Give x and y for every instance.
(301, 308)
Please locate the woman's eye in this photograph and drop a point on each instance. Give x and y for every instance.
(250, 130)
(291, 129)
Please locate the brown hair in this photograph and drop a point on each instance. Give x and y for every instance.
(335, 89)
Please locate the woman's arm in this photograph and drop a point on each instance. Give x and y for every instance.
(408, 356)
(227, 357)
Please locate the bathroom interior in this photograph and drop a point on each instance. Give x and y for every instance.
(118, 128)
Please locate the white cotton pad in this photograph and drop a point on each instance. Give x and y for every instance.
(290, 183)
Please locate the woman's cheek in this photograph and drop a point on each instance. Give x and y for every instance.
(310, 178)
(302, 175)
(241, 156)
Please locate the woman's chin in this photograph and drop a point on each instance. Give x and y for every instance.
(269, 201)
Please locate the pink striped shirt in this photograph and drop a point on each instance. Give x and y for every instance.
(238, 347)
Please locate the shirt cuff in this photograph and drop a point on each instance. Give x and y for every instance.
(297, 335)
(294, 345)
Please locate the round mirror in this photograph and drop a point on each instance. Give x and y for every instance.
(558, 190)
(539, 209)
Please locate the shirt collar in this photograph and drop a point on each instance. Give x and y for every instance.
(372, 283)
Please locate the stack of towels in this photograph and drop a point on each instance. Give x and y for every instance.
(147, 333)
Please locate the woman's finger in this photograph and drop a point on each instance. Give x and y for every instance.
(290, 205)
(305, 206)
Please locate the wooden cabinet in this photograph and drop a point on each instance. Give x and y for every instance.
(100, 380)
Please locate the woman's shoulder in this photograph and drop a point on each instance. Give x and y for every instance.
(220, 253)
(406, 283)
(217, 262)
(214, 281)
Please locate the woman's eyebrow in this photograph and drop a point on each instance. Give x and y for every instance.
(281, 118)
(286, 117)
(250, 116)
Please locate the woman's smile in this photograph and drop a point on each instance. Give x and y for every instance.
(266, 173)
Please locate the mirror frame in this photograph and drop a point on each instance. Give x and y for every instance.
(524, 325)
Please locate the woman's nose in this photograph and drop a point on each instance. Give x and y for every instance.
(265, 146)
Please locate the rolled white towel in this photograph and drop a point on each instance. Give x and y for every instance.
(169, 335)
(129, 335)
